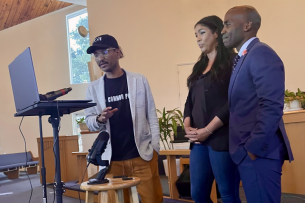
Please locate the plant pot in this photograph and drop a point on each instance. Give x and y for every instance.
(286, 107)
(83, 127)
(303, 104)
(295, 105)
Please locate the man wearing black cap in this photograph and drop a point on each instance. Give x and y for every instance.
(126, 109)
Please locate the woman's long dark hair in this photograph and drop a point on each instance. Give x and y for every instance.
(221, 65)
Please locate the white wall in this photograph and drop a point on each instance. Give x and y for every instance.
(157, 35)
(47, 38)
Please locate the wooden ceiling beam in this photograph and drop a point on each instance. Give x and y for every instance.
(5, 13)
(52, 7)
(43, 8)
(20, 9)
(13, 12)
(61, 5)
(25, 12)
(2, 3)
(32, 13)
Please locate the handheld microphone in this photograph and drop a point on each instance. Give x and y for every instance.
(54, 94)
(97, 149)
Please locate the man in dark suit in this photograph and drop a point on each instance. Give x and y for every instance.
(258, 141)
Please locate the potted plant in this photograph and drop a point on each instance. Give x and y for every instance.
(82, 124)
(294, 101)
(168, 122)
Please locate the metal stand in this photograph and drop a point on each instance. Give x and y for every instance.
(43, 169)
(55, 110)
(100, 178)
(54, 120)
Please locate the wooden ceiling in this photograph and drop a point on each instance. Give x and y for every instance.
(14, 12)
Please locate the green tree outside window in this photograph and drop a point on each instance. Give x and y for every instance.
(78, 55)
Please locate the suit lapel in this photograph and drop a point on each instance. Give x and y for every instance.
(132, 91)
(235, 73)
(238, 67)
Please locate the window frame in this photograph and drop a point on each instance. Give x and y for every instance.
(76, 129)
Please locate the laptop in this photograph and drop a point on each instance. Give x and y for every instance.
(24, 83)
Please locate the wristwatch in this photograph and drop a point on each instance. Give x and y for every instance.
(99, 122)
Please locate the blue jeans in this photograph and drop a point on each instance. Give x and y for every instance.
(207, 164)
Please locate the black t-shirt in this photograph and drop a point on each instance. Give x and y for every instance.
(122, 136)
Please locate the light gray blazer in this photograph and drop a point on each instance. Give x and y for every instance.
(143, 112)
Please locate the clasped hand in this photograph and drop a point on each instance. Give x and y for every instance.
(196, 135)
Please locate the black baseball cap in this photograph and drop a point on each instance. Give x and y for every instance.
(102, 42)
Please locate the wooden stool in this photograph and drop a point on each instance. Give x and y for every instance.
(116, 184)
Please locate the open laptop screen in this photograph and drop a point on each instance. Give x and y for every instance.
(23, 81)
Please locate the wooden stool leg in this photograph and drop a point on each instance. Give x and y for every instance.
(133, 194)
(214, 192)
(119, 196)
(103, 197)
(89, 197)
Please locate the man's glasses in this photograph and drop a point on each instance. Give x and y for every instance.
(103, 53)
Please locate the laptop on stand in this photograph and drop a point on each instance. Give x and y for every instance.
(24, 83)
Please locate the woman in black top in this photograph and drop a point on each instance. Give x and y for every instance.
(206, 116)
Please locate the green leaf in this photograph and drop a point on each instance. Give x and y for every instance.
(299, 93)
(168, 122)
(159, 111)
(289, 94)
(180, 113)
(174, 127)
(181, 123)
(80, 120)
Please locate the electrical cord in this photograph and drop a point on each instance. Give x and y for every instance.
(58, 117)
(81, 183)
(26, 161)
(54, 175)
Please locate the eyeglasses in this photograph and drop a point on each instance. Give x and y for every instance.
(103, 53)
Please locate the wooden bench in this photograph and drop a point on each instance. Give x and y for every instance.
(11, 163)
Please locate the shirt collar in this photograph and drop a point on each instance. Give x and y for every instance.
(245, 45)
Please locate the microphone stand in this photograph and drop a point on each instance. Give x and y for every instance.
(55, 110)
(100, 178)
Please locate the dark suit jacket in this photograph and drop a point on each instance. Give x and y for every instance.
(256, 100)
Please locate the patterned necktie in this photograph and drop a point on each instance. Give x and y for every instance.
(236, 59)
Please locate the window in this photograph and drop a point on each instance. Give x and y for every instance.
(77, 46)
(76, 129)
